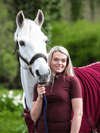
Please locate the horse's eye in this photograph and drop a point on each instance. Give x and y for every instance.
(22, 43)
(46, 41)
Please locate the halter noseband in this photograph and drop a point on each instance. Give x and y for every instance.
(36, 56)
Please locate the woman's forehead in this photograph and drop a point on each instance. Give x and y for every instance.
(59, 55)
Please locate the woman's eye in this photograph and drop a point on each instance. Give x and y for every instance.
(55, 59)
(22, 43)
(63, 60)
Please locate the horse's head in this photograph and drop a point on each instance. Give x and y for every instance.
(31, 43)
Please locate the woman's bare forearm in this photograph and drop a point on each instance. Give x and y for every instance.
(76, 123)
(77, 105)
(36, 109)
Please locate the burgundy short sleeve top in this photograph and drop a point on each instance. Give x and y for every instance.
(59, 108)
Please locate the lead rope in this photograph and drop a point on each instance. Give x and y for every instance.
(45, 122)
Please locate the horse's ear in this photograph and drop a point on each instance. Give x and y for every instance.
(20, 19)
(39, 18)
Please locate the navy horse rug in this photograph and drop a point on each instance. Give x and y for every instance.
(89, 77)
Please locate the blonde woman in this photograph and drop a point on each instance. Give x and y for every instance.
(63, 95)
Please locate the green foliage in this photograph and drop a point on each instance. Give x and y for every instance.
(12, 122)
(92, 7)
(82, 39)
(8, 62)
(50, 8)
(76, 9)
(5, 91)
(20, 129)
(10, 102)
(11, 109)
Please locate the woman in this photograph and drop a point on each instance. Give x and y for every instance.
(63, 95)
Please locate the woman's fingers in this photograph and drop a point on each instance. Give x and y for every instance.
(41, 90)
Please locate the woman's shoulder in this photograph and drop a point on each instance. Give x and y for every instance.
(72, 79)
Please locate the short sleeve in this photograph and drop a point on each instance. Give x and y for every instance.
(76, 90)
(35, 93)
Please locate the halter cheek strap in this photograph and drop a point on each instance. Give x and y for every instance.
(19, 54)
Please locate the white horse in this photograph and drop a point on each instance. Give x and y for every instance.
(31, 43)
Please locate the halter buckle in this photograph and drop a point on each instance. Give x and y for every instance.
(29, 66)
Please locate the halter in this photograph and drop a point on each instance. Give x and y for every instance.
(35, 57)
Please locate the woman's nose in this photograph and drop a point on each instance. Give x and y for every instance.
(59, 62)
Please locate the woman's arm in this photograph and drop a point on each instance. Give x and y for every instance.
(37, 105)
(77, 106)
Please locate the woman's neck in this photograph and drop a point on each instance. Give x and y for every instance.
(53, 73)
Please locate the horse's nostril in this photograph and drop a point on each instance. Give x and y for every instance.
(37, 73)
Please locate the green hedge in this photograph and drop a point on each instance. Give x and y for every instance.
(81, 39)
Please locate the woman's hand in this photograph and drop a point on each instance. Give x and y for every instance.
(37, 105)
(41, 91)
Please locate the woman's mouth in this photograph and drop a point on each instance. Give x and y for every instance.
(58, 68)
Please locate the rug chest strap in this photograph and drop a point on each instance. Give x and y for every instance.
(91, 123)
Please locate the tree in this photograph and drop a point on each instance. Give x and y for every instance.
(92, 7)
(76, 9)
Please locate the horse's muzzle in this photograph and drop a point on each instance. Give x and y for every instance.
(43, 79)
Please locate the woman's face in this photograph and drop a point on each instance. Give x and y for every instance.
(58, 63)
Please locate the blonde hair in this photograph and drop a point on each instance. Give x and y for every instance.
(69, 68)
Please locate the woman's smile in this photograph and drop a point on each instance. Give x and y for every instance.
(58, 67)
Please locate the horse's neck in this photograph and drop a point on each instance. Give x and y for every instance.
(28, 82)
